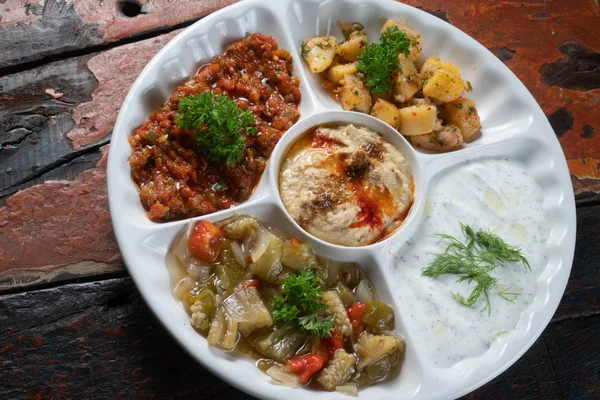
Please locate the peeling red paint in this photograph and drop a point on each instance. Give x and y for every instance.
(115, 70)
(70, 229)
(20, 11)
(112, 25)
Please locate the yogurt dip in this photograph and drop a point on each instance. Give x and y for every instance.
(492, 194)
(346, 185)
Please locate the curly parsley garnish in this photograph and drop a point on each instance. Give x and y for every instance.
(219, 123)
(301, 304)
(379, 61)
(473, 261)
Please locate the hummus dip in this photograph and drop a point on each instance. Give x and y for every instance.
(346, 185)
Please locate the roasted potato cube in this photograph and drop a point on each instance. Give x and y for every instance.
(463, 114)
(389, 23)
(446, 138)
(407, 82)
(405, 87)
(355, 95)
(352, 47)
(318, 52)
(417, 120)
(407, 66)
(387, 112)
(337, 72)
(433, 64)
(443, 86)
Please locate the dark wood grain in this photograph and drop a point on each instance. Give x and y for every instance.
(99, 340)
(94, 340)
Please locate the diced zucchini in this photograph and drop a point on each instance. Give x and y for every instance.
(379, 316)
(268, 266)
(223, 330)
(279, 342)
(372, 347)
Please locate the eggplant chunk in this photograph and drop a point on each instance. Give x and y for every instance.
(298, 256)
(372, 347)
(279, 342)
(268, 266)
(249, 311)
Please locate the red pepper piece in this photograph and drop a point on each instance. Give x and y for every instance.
(250, 283)
(307, 365)
(355, 314)
(205, 241)
(335, 341)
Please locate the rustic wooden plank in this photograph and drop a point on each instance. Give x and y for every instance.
(33, 125)
(56, 113)
(33, 30)
(584, 282)
(58, 229)
(67, 171)
(115, 70)
(94, 340)
(53, 121)
(99, 340)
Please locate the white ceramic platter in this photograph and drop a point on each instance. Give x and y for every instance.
(514, 128)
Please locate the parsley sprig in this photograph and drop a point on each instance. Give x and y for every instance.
(301, 304)
(379, 61)
(473, 261)
(219, 123)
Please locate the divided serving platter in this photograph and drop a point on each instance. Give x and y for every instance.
(514, 128)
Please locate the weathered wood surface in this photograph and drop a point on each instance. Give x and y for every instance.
(38, 30)
(99, 340)
(44, 138)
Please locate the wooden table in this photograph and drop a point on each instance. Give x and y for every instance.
(73, 325)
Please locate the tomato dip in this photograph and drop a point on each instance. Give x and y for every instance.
(176, 180)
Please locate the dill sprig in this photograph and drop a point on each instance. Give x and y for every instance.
(473, 260)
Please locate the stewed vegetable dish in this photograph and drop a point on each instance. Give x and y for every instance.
(304, 319)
